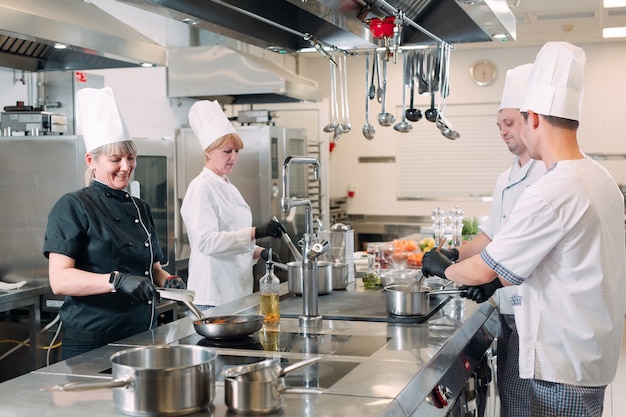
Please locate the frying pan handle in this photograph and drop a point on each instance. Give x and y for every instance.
(449, 291)
(90, 386)
(191, 306)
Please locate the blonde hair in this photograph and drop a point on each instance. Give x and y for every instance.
(126, 147)
(222, 141)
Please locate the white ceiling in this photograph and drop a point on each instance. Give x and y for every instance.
(575, 21)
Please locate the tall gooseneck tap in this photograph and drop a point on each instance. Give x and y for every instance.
(311, 249)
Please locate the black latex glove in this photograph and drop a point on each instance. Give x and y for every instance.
(138, 288)
(275, 258)
(435, 263)
(452, 254)
(481, 293)
(271, 228)
(175, 282)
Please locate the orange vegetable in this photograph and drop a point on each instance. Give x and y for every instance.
(415, 259)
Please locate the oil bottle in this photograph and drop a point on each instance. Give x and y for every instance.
(269, 288)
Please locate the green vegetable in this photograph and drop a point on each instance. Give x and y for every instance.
(470, 226)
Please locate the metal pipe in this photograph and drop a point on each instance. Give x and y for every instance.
(310, 317)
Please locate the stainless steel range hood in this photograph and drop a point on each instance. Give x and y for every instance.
(340, 23)
(234, 77)
(29, 30)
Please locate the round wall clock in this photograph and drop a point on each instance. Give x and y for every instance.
(483, 72)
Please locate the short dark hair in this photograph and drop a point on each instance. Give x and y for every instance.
(556, 121)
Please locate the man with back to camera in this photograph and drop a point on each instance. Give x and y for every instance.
(513, 390)
(563, 246)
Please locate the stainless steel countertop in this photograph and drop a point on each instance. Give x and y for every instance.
(392, 380)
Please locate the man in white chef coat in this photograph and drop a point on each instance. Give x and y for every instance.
(513, 390)
(563, 246)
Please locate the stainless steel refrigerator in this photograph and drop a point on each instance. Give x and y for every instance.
(257, 175)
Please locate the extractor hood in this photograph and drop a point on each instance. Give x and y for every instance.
(281, 24)
(93, 39)
(234, 77)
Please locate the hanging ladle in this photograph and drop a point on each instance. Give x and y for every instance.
(384, 118)
(332, 126)
(379, 89)
(431, 114)
(371, 93)
(368, 129)
(404, 126)
(413, 114)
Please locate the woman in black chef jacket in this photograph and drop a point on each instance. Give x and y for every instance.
(103, 251)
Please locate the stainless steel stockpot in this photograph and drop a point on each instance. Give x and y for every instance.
(408, 300)
(159, 380)
(325, 278)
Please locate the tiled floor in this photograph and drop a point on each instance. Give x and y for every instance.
(615, 397)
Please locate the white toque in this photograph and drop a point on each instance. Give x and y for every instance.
(515, 87)
(208, 121)
(98, 118)
(555, 86)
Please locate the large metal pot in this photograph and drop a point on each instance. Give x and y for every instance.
(325, 278)
(407, 300)
(158, 380)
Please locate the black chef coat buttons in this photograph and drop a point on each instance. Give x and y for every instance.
(146, 244)
(130, 243)
(136, 220)
(126, 195)
(146, 273)
(117, 219)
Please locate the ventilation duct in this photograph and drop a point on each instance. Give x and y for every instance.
(93, 39)
(234, 77)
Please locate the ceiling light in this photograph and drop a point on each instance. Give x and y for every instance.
(60, 46)
(619, 32)
(614, 3)
(276, 49)
(190, 21)
(148, 65)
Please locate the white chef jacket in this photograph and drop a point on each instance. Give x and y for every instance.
(218, 222)
(509, 186)
(564, 246)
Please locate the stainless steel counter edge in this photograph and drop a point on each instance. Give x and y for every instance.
(403, 382)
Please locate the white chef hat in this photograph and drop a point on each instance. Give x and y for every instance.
(208, 121)
(555, 87)
(98, 119)
(515, 87)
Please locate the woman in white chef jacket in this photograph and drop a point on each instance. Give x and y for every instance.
(217, 218)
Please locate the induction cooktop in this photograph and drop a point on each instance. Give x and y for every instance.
(323, 344)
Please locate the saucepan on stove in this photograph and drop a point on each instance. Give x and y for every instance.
(160, 380)
(257, 388)
(216, 327)
(411, 300)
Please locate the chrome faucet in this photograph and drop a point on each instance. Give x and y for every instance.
(311, 249)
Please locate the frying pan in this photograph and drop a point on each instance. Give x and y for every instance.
(216, 327)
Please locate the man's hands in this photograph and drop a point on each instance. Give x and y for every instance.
(481, 293)
(435, 263)
(138, 288)
(452, 254)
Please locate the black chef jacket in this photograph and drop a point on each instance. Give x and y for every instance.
(101, 229)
